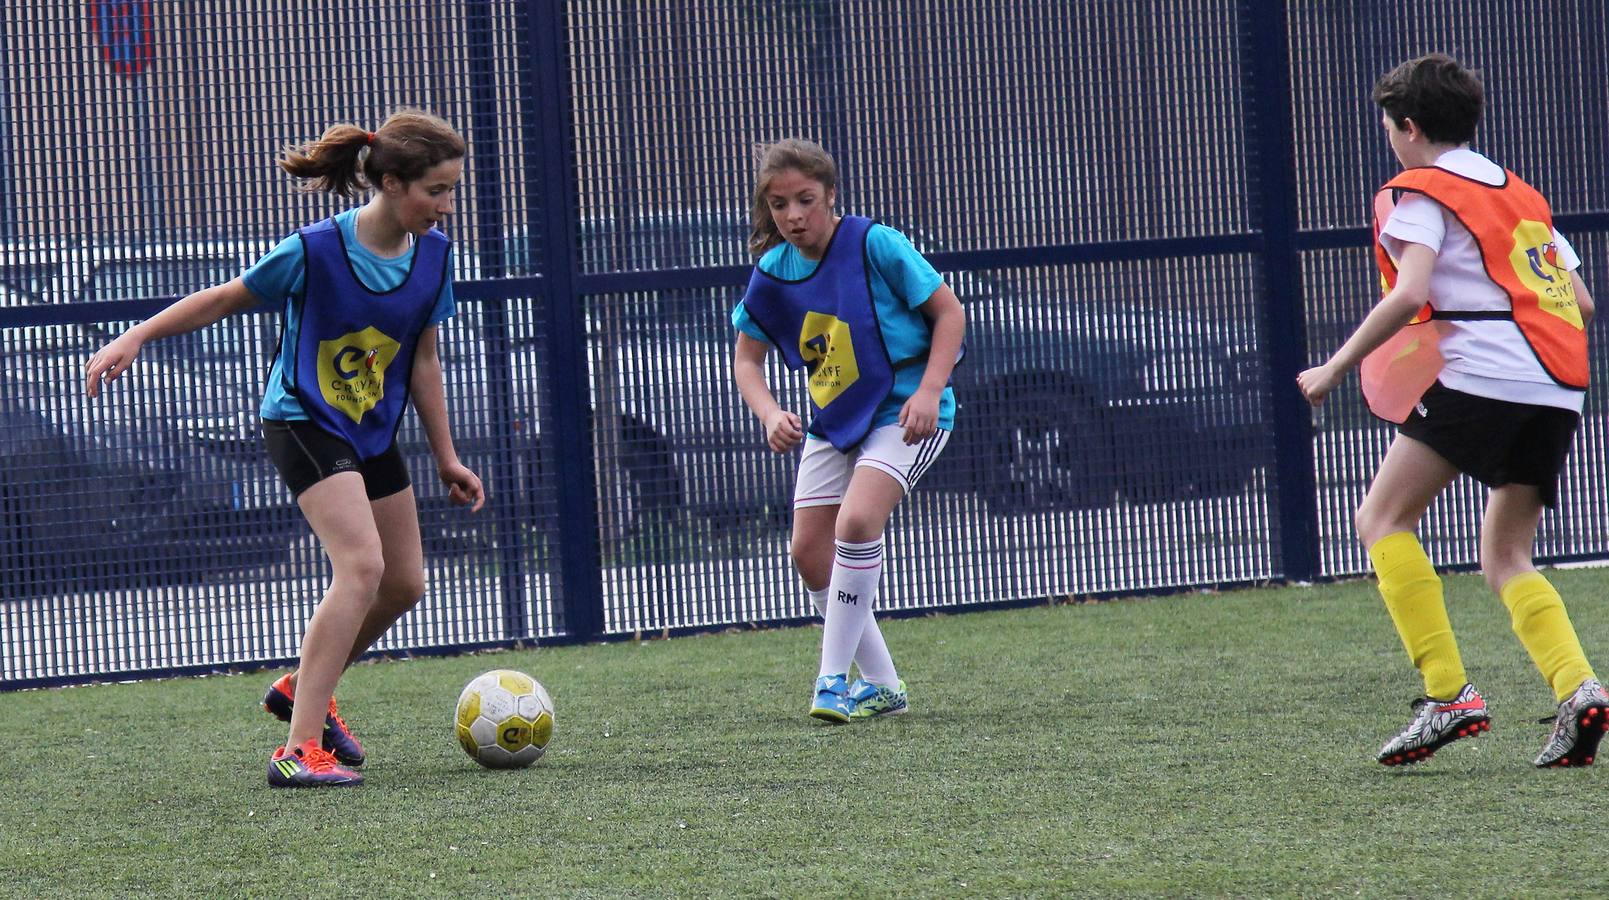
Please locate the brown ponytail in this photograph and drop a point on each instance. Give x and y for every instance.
(796, 154)
(406, 145)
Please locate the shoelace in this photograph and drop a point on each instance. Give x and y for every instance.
(1554, 720)
(334, 714)
(318, 760)
(1423, 702)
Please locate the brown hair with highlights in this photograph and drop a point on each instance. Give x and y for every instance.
(347, 159)
(789, 154)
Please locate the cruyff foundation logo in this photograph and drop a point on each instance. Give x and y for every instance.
(829, 354)
(1535, 258)
(351, 370)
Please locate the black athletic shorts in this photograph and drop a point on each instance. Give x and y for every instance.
(306, 454)
(1495, 442)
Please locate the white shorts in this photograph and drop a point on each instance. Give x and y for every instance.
(824, 472)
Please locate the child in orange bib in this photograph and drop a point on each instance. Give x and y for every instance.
(1478, 351)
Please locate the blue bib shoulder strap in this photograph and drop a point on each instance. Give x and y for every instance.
(322, 226)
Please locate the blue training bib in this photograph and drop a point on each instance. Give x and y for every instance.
(827, 323)
(354, 354)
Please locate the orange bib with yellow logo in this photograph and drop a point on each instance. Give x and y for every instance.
(1513, 227)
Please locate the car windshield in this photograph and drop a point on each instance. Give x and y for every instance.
(138, 279)
(660, 243)
(27, 281)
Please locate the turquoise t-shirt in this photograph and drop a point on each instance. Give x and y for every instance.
(277, 278)
(902, 280)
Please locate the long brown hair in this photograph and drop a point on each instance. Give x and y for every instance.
(795, 154)
(406, 145)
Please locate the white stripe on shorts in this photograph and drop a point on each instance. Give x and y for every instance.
(906, 471)
(824, 473)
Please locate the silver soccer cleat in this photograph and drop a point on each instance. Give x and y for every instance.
(1437, 723)
(1577, 728)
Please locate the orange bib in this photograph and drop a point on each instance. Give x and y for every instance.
(1513, 227)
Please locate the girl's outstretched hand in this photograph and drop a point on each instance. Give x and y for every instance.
(111, 361)
(783, 431)
(463, 486)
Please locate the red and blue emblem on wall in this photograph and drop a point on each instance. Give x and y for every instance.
(123, 31)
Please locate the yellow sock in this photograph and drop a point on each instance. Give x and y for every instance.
(1412, 592)
(1544, 628)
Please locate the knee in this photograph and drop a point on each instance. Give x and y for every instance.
(1494, 578)
(812, 561)
(800, 550)
(1363, 525)
(364, 570)
(1373, 523)
(1497, 567)
(858, 528)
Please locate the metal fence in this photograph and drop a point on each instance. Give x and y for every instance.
(1154, 213)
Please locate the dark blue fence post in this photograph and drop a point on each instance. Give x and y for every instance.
(569, 439)
(485, 150)
(1265, 49)
(8, 195)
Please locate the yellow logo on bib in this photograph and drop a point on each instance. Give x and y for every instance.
(1535, 259)
(828, 351)
(351, 370)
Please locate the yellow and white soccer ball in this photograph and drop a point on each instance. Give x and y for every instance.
(505, 719)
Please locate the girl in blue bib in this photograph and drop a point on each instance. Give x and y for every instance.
(362, 294)
(854, 305)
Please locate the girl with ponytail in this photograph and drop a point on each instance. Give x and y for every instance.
(362, 294)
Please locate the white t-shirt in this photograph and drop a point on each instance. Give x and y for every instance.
(1487, 358)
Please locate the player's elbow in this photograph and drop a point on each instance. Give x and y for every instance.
(1406, 299)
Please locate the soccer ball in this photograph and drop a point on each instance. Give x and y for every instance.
(504, 719)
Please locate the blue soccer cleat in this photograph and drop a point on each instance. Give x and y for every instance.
(340, 740)
(280, 699)
(873, 700)
(832, 703)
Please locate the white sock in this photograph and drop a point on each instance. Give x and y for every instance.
(876, 665)
(871, 655)
(856, 569)
(818, 599)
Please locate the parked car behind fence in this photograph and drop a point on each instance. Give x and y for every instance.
(1065, 404)
(163, 477)
(1062, 406)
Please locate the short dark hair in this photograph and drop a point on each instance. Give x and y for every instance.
(1443, 97)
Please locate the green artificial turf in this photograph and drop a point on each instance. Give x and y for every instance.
(1199, 744)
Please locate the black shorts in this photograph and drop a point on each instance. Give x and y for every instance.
(1495, 442)
(306, 454)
